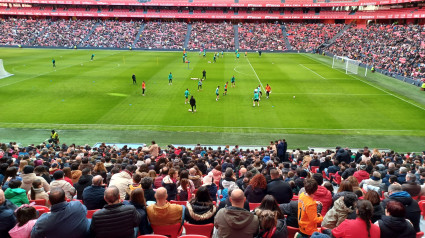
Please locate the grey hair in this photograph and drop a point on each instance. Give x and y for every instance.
(411, 177)
(395, 188)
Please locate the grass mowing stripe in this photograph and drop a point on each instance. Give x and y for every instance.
(255, 74)
(336, 94)
(355, 77)
(312, 71)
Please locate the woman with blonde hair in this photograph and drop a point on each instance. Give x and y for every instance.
(22, 164)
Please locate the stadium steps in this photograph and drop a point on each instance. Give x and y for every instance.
(139, 33)
(338, 34)
(187, 38)
(285, 37)
(235, 29)
(88, 35)
(41, 33)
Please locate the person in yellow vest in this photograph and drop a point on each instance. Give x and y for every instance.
(54, 137)
(423, 86)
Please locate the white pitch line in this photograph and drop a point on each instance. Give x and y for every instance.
(51, 125)
(337, 94)
(256, 75)
(354, 77)
(312, 71)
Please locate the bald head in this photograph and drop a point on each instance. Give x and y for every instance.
(112, 195)
(161, 194)
(242, 171)
(192, 171)
(57, 195)
(237, 198)
(97, 180)
(2, 198)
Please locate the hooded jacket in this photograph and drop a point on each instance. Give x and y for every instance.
(396, 227)
(17, 196)
(236, 222)
(40, 194)
(67, 187)
(255, 195)
(196, 179)
(337, 214)
(199, 213)
(324, 196)
(413, 213)
(378, 212)
(361, 175)
(169, 214)
(27, 180)
(216, 175)
(121, 181)
(83, 182)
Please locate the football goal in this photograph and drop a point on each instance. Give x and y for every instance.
(3, 72)
(350, 66)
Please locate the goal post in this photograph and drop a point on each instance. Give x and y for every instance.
(350, 66)
(3, 72)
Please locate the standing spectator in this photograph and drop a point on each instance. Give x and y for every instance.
(65, 220)
(137, 199)
(26, 216)
(162, 212)
(256, 189)
(84, 181)
(122, 180)
(394, 224)
(235, 221)
(281, 150)
(200, 210)
(308, 214)
(279, 189)
(7, 218)
(154, 149)
(93, 196)
(15, 193)
(115, 219)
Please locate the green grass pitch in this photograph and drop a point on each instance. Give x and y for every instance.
(92, 101)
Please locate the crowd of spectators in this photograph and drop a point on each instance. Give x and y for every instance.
(399, 49)
(135, 188)
(114, 34)
(214, 36)
(163, 35)
(309, 36)
(21, 31)
(65, 33)
(261, 36)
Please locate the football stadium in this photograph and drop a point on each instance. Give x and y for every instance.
(224, 118)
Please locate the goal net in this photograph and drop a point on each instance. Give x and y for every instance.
(350, 66)
(3, 72)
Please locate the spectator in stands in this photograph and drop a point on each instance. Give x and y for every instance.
(270, 225)
(26, 217)
(99, 169)
(279, 189)
(216, 173)
(344, 208)
(137, 199)
(413, 213)
(344, 188)
(355, 184)
(42, 172)
(162, 212)
(361, 226)
(158, 180)
(59, 182)
(235, 220)
(349, 171)
(200, 210)
(7, 217)
(308, 213)
(85, 164)
(149, 193)
(10, 174)
(115, 219)
(411, 186)
(37, 192)
(28, 176)
(378, 210)
(163, 35)
(322, 194)
(64, 220)
(394, 223)
(93, 196)
(75, 173)
(67, 175)
(196, 179)
(373, 183)
(227, 203)
(239, 181)
(269, 203)
(256, 189)
(208, 182)
(401, 177)
(15, 193)
(361, 174)
(169, 183)
(84, 182)
(123, 179)
(291, 211)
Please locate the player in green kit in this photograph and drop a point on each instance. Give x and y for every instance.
(186, 95)
(200, 84)
(217, 92)
(214, 58)
(256, 98)
(233, 81)
(92, 57)
(54, 63)
(170, 79)
(222, 52)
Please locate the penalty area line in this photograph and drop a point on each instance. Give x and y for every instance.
(312, 71)
(256, 74)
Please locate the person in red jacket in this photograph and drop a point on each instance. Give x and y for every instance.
(322, 195)
(361, 174)
(308, 214)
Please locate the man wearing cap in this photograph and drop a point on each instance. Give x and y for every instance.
(59, 182)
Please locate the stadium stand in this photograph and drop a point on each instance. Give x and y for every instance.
(262, 36)
(214, 36)
(163, 35)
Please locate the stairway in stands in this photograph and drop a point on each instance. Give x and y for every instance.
(235, 29)
(285, 37)
(186, 40)
(139, 33)
(338, 34)
(88, 35)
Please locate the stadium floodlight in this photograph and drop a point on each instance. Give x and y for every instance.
(3, 72)
(350, 66)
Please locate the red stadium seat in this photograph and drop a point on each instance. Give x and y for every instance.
(41, 209)
(183, 203)
(193, 236)
(325, 176)
(338, 179)
(90, 213)
(41, 202)
(422, 207)
(172, 231)
(314, 169)
(252, 206)
(416, 198)
(292, 231)
(420, 234)
(204, 230)
(152, 236)
(294, 198)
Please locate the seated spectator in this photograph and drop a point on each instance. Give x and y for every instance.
(269, 203)
(122, 179)
(37, 192)
(137, 199)
(279, 189)
(256, 189)
(158, 180)
(65, 220)
(169, 183)
(7, 217)
(344, 188)
(162, 212)
(211, 186)
(394, 224)
(136, 184)
(26, 217)
(401, 177)
(212, 36)
(308, 214)
(291, 211)
(322, 194)
(361, 226)
(196, 179)
(235, 221)
(75, 173)
(10, 174)
(163, 35)
(147, 189)
(355, 184)
(216, 173)
(378, 210)
(183, 191)
(67, 175)
(226, 202)
(184, 174)
(200, 210)
(84, 182)
(28, 176)
(115, 219)
(93, 196)
(239, 181)
(228, 180)
(344, 208)
(413, 213)
(59, 182)
(411, 186)
(349, 171)
(361, 174)
(270, 225)
(15, 194)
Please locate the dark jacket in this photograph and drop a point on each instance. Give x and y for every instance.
(83, 182)
(255, 195)
(280, 190)
(348, 172)
(66, 219)
(149, 194)
(93, 197)
(212, 189)
(413, 213)
(117, 220)
(279, 232)
(192, 101)
(413, 189)
(340, 194)
(396, 227)
(291, 211)
(199, 213)
(325, 164)
(144, 226)
(227, 203)
(378, 213)
(401, 178)
(343, 156)
(7, 218)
